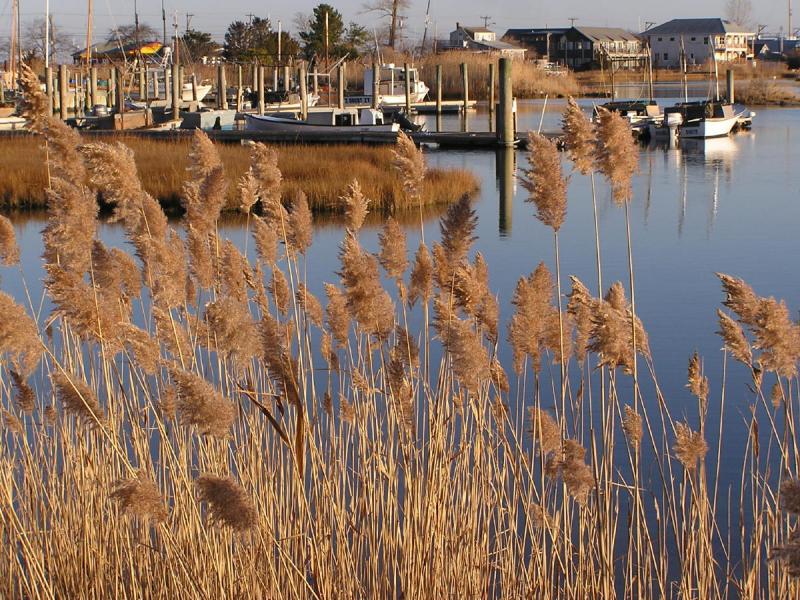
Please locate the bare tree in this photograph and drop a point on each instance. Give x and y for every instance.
(388, 10)
(34, 39)
(739, 11)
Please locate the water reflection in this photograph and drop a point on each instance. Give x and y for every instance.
(506, 173)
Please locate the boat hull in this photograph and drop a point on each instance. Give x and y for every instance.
(709, 128)
(277, 124)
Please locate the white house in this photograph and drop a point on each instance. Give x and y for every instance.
(701, 37)
(482, 39)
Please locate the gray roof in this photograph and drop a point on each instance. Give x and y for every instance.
(534, 31)
(607, 34)
(698, 26)
(476, 29)
(499, 45)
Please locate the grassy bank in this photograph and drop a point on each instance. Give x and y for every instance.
(322, 172)
(765, 92)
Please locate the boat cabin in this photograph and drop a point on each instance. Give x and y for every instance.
(392, 80)
(695, 111)
(633, 109)
(346, 117)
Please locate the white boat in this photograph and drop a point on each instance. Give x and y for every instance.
(636, 112)
(347, 120)
(391, 86)
(12, 123)
(705, 119)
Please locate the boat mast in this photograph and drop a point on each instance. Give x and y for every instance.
(716, 71)
(46, 34)
(650, 72)
(12, 49)
(89, 34)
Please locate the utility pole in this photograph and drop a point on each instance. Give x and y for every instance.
(188, 21)
(164, 25)
(572, 21)
(486, 20)
(393, 26)
(790, 31)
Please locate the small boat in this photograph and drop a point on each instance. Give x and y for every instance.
(391, 86)
(12, 123)
(347, 120)
(704, 119)
(636, 112)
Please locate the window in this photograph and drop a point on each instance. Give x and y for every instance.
(660, 39)
(672, 39)
(693, 39)
(705, 41)
(666, 55)
(691, 55)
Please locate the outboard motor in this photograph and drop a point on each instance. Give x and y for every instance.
(405, 123)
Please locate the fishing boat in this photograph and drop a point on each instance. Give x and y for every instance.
(704, 119)
(9, 120)
(347, 120)
(391, 86)
(636, 112)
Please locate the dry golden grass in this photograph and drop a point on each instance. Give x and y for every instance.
(765, 92)
(323, 173)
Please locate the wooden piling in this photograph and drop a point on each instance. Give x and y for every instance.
(465, 85)
(505, 116)
(260, 86)
(275, 79)
(194, 87)
(376, 84)
(111, 88)
(177, 92)
(142, 82)
(506, 180)
(222, 87)
(731, 95)
(407, 77)
(120, 92)
(315, 82)
(438, 89)
(63, 89)
(239, 87)
(287, 80)
(340, 84)
(48, 88)
(491, 88)
(303, 92)
(93, 87)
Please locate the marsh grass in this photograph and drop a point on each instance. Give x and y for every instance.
(323, 173)
(199, 430)
(765, 92)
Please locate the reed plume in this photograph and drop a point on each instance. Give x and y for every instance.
(612, 334)
(201, 405)
(778, 338)
(264, 167)
(470, 360)
(577, 475)
(545, 431)
(690, 447)
(457, 229)
(233, 329)
(421, 286)
(580, 138)
(547, 189)
(9, 252)
(617, 153)
(24, 396)
(530, 325)
(393, 251)
(632, 426)
(740, 298)
(78, 398)
(279, 288)
(248, 191)
(697, 382)
(409, 162)
(19, 336)
(146, 350)
(580, 307)
(140, 497)
(229, 504)
(309, 304)
(355, 207)
(735, 340)
(300, 229)
(266, 239)
(35, 107)
(337, 315)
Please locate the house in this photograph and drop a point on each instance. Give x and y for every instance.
(112, 51)
(583, 47)
(702, 39)
(540, 43)
(775, 48)
(481, 39)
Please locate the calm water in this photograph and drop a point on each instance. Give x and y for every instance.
(727, 205)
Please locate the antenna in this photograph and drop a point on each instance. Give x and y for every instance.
(649, 24)
(486, 20)
(164, 24)
(188, 20)
(572, 21)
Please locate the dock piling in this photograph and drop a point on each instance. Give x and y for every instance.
(111, 88)
(239, 87)
(177, 92)
(340, 84)
(303, 92)
(438, 89)
(505, 116)
(491, 89)
(93, 87)
(407, 77)
(194, 87)
(376, 84)
(142, 82)
(287, 80)
(465, 85)
(730, 86)
(275, 78)
(48, 88)
(260, 85)
(63, 89)
(120, 91)
(222, 88)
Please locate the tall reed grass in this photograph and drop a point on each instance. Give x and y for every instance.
(186, 423)
(315, 170)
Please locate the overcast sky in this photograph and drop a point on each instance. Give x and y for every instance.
(215, 15)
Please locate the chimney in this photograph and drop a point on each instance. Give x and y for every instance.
(458, 25)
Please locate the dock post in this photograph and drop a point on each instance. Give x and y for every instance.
(239, 87)
(275, 78)
(407, 78)
(88, 100)
(93, 86)
(506, 178)
(438, 89)
(340, 85)
(177, 92)
(260, 86)
(222, 88)
(48, 88)
(491, 89)
(167, 87)
(376, 84)
(465, 85)
(63, 90)
(120, 92)
(111, 88)
(505, 116)
(287, 80)
(254, 78)
(315, 82)
(303, 92)
(142, 82)
(729, 81)
(194, 87)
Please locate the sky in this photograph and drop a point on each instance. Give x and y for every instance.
(214, 16)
